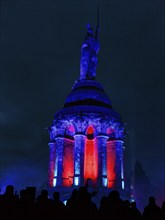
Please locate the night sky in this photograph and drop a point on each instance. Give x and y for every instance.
(40, 57)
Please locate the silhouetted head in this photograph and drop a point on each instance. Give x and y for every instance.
(114, 195)
(9, 190)
(74, 193)
(83, 194)
(44, 193)
(126, 203)
(151, 200)
(133, 205)
(22, 194)
(89, 30)
(82, 190)
(56, 196)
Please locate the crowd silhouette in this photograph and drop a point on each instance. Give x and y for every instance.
(27, 206)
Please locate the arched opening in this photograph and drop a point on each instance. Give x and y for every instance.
(70, 131)
(90, 157)
(111, 132)
(90, 133)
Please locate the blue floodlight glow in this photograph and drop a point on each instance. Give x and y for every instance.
(76, 181)
(104, 182)
(122, 184)
(54, 182)
(56, 167)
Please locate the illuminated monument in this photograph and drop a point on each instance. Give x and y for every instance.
(86, 136)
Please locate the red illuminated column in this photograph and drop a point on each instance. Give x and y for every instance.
(111, 164)
(68, 162)
(79, 145)
(102, 160)
(115, 164)
(52, 159)
(91, 161)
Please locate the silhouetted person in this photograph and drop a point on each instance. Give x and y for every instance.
(115, 206)
(152, 211)
(58, 207)
(163, 210)
(71, 204)
(126, 210)
(102, 212)
(43, 206)
(23, 206)
(85, 208)
(8, 203)
(135, 213)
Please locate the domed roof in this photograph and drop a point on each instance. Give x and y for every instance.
(87, 92)
(87, 96)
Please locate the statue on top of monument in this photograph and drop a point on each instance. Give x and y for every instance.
(89, 51)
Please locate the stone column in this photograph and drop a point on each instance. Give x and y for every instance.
(59, 146)
(52, 158)
(119, 163)
(102, 160)
(68, 162)
(79, 159)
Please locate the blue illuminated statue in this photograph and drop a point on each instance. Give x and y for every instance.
(89, 51)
